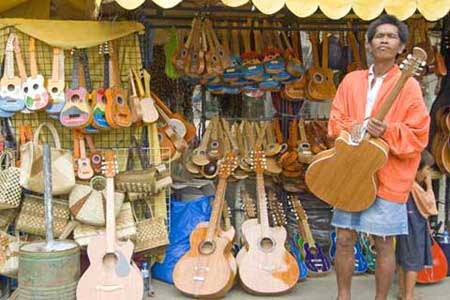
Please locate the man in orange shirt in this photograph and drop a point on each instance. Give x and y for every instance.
(405, 129)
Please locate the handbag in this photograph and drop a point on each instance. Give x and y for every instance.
(31, 172)
(31, 217)
(10, 189)
(9, 254)
(151, 231)
(125, 228)
(88, 206)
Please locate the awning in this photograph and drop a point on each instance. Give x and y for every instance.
(432, 10)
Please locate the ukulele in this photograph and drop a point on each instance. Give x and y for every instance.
(36, 96)
(305, 154)
(356, 192)
(135, 106)
(149, 112)
(320, 86)
(99, 118)
(205, 271)
(180, 56)
(111, 274)
(76, 112)
(195, 60)
(213, 61)
(22, 71)
(267, 268)
(84, 169)
(85, 81)
(117, 112)
(315, 260)
(55, 86)
(11, 94)
(296, 90)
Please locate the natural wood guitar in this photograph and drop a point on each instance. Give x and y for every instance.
(351, 169)
(205, 270)
(267, 268)
(111, 274)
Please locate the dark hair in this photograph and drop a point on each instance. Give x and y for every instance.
(403, 31)
(426, 159)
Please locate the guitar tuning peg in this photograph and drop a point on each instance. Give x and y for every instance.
(409, 56)
(423, 63)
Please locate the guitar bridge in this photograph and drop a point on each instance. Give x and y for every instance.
(199, 278)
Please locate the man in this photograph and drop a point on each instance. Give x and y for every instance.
(405, 129)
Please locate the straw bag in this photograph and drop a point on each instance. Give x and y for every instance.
(31, 217)
(125, 228)
(9, 254)
(31, 171)
(88, 205)
(7, 216)
(152, 231)
(10, 189)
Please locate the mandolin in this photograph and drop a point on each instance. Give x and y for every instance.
(11, 94)
(36, 96)
(111, 274)
(117, 111)
(351, 169)
(267, 268)
(76, 112)
(205, 270)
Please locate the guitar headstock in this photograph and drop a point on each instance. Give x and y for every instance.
(414, 63)
(258, 160)
(228, 165)
(109, 166)
(298, 208)
(276, 207)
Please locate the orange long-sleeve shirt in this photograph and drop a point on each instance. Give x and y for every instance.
(407, 129)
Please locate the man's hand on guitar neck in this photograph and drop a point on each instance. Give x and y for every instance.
(376, 128)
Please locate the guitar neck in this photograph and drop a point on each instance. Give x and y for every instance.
(110, 220)
(387, 104)
(262, 203)
(75, 83)
(325, 50)
(19, 60)
(33, 63)
(216, 210)
(55, 65)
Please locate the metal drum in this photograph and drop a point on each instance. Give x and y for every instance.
(49, 271)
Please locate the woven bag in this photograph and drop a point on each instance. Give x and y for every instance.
(10, 189)
(125, 228)
(7, 216)
(88, 205)
(31, 217)
(151, 232)
(31, 171)
(9, 254)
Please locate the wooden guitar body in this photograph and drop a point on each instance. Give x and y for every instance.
(320, 85)
(117, 112)
(11, 94)
(350, 172)
(267, 268)
(76, 111)
(99, 118)
(204, 275)
(118, 281)
(36, 96)
(56, 92)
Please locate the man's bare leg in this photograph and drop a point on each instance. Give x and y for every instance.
(345, 261)
(385, 269)
(401, 283)
(410, 283)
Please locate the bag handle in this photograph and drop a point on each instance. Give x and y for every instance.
(5, 160)
(53, 132)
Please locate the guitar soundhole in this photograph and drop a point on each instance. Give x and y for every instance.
(318, 78)
(266, 244)
(54, 90)
(284, 148)
(74, 116)
(120, 100)
(103, 99)
(110, 260)
(96, 159)
(25, 89)
(11, 87)
(35, 86)
(75, 98)
(207, 247)
(214, 145)
(210, 169)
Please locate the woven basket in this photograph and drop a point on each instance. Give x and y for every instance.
(125, 228)
(10, 189)
(7, 216)
(9, 254)
(31, 217)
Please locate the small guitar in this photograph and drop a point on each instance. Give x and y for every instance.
(316, 261)
(180, 56)
(361, 265)
(76, 112)
(99, 119)
(205, 271)
(85, 81)
(111, 274)
(320, 85)
(55, 86)
(11, 94)
(149, 112)
(117, 111)
(267, 268)
(36, 96)
(368, 250)
(135, 106)
(84, 169)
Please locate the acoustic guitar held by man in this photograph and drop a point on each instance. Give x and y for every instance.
(405, 130)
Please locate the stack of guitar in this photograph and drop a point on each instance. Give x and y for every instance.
(284, 158)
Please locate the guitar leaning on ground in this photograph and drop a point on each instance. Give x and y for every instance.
(110, 275)
(267, 268)
(208, 269)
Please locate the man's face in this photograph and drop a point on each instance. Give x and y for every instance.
(386, 44)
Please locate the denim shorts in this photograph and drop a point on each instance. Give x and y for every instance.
(382, 218)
